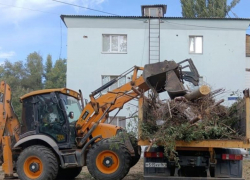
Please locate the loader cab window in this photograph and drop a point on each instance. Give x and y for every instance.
(51, 117)
(27, 115)
(72, 105)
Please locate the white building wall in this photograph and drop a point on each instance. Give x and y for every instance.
(222, 63)
(247, 73)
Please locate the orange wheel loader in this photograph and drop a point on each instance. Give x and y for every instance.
(58, 135)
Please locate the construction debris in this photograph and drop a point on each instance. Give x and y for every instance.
(195, 116)
(199, 92)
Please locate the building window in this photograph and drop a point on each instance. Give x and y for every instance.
(153, 11)
(118, 83)
(114, 43)
(118, 121)
(195, 44)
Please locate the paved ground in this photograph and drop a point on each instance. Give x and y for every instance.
(136, 172)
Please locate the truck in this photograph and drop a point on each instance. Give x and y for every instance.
(204, 159)
(58, 133)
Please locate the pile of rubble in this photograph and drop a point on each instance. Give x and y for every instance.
(195, 116)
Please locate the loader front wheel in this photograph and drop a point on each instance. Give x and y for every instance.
(108, 159)
(37, 162)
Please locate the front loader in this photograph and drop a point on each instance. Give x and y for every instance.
(45, 148)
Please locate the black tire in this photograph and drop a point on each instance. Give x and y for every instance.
(67, 174)
(119, 156)
(44, 156)
(137, 149)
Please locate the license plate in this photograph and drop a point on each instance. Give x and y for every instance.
(156, 165)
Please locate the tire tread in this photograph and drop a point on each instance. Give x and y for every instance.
(51, 162)
(106, 143)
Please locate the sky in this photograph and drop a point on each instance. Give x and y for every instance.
(35, 25)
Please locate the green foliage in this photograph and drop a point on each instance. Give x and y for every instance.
(48, 67)
(30, 75)
(206, 8)
(34, 67)
(221, 123)
(56, 77)
(188, 8)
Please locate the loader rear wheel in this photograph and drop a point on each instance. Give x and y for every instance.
(67, 174)
(37, 162)
(108, 159)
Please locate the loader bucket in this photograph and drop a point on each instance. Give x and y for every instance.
(164, 76)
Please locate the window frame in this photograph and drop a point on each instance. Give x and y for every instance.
(117, 119)
(158, 11)
(110, 80)
(110, 40)
(189, 40)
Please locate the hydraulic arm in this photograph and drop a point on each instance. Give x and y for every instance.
(163, 76)
(9, 128)
(9, 124)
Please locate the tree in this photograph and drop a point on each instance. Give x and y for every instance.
(31, 75)
(207, 8)
(14, 74)
(57, 75)
(34, 68)
(48, 66)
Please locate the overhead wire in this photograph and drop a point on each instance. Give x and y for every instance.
(104, 12)
(28, 9)
(211, 27)
(85, 7)
(190, 25)
(144, 20)
(60, 51)
(115, 15)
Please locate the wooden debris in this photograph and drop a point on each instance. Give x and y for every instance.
(193, 117)
(196, 119)
(207, 111)
(199, 92)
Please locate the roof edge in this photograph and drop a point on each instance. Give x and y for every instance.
(62, 18)
(145, 17)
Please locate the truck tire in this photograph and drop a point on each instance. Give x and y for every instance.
(137, 149)
(69, 173)
(37, 162)
(108, 159)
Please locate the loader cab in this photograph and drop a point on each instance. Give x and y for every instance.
(52, 113)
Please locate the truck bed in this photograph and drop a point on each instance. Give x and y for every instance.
(208, 144)
(220, 143)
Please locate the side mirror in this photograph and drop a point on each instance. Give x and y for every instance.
(71, 115)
